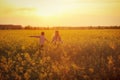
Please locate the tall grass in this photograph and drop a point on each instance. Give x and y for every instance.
(84, 55)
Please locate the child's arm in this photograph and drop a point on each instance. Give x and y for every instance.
(35, 36)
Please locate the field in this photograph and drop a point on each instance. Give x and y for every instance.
(84, 55)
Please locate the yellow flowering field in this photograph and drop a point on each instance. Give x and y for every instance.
(84, 55)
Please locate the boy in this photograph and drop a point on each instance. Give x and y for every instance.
(42, 39)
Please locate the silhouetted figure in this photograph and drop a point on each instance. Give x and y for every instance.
(57, 38)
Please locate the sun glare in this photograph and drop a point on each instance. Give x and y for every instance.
(53, 10)
(45, 13)
(50, 11)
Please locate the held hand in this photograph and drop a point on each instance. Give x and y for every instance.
(47, 41)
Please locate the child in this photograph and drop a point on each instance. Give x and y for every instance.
(56, 38)
(42, 39)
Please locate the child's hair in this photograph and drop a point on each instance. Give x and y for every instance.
(56, 33)
(42, 33)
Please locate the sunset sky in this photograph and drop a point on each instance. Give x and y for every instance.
(60, 12)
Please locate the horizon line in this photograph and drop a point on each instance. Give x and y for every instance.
(63, 25)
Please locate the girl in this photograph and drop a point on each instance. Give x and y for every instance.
(56, 38)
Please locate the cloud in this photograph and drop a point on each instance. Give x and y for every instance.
(26, 9)
(9, 11)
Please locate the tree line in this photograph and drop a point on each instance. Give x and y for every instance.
(19, 27)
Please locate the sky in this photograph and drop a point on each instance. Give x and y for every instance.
(60, 12)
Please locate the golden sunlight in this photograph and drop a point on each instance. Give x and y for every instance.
(52, 10)
(60, 12)
(49, 11)
(43, 8)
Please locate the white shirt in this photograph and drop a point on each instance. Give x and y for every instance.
(42, 40)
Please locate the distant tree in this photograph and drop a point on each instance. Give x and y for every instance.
(28, 27)
(10, 27)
